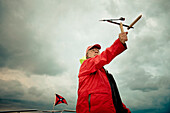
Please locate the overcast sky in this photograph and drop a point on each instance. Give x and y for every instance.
(42, 41)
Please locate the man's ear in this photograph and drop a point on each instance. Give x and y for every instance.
(87, 55)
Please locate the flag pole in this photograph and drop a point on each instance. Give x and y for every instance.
(53, 109)
(53, 105)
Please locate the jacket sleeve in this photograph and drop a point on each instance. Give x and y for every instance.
(92, 64)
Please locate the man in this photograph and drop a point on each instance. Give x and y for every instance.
(97, 92)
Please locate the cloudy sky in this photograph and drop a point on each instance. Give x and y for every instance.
(42, 41)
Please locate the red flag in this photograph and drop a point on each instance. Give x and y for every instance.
(59, 99)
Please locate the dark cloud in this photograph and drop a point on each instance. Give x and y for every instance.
(4, 55)
(16, 104)
(11, 89)
(15, 95)
(21, 46)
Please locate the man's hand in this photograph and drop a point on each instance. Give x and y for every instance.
(123, 37)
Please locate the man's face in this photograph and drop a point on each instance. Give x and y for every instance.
(93, 52)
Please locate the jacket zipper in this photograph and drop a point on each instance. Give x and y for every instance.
(89, 102)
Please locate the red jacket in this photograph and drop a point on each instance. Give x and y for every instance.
(94, 92)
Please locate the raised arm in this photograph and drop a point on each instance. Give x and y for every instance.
(92, 64)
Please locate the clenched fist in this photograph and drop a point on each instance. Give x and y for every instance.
(123, 37)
